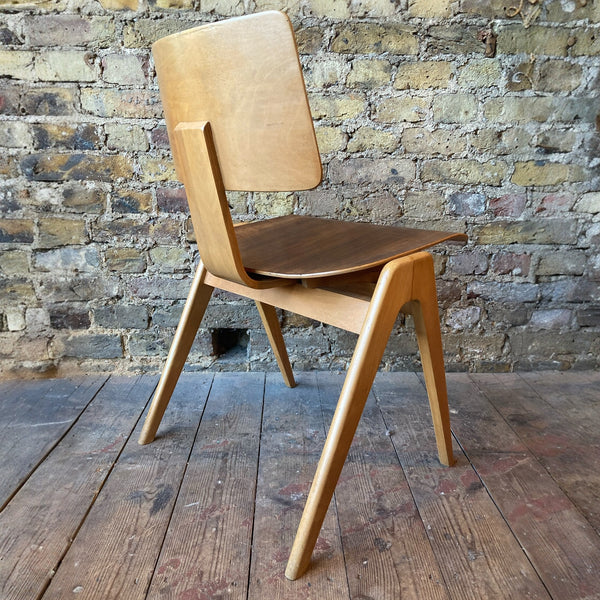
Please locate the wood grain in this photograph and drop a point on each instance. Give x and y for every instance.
(292, 438)
(386, 549)
(116, 549)
(206, 553)
(561, 544)
(37, 526)
(476, 550)
(39, 412)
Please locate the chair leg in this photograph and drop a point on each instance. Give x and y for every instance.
(193, 311)
(392, 291)
(427, 327)
(268, 314)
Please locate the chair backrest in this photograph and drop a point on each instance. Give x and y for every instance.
(243, 75)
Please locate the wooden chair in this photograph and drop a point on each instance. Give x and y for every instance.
(238, 119)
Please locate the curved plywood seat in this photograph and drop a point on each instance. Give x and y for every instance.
(306, 247)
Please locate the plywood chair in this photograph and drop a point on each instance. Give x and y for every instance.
(238, 119)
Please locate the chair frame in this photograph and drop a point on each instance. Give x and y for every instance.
(366, 302)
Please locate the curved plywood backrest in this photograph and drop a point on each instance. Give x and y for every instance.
(243, 76)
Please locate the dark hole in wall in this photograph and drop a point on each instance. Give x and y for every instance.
(229, 341)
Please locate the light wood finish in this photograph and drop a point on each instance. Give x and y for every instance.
(243, 75)
(238, 118)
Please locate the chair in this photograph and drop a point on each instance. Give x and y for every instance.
(238, 119)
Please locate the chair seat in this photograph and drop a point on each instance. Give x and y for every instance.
(299, 247)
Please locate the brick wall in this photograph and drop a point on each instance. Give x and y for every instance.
(420, 120)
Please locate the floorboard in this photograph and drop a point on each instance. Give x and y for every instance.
(209, 510)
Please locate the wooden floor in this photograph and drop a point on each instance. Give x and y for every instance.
(209, 509)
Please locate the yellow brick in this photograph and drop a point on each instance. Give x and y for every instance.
(368, 138)
(421, 75)
(396, 110)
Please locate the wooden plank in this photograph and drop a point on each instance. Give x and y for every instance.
(292, 439)
(39, 412)
(115, 551)
(562, 546)
(478, 555)
(206, 553)
(38, 524)
(566, 440)
(386, 549)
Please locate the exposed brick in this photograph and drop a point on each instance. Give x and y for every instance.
(14, 262)
(18, 64)
(131, 201)
(126, 137)
(466, 203)
(140, 104)
(54, 101)
(69, 318)
(309, 39)
(472, 263)
(9, 100)
(330, 139)
(553, 141)
(16, 231)
(170, 260)
(62, 167)
(337, 107)
(91, 346)
(54, 30)
(171, 200)
(369, 138)
(546, 231)
(61, 232)
(423, 74)
(540, 40)
(371, 38)
(425, 205)
(121, 316)
(439, 141)
(142, 33)
(69, 137)
(388, 171)
(464, 171)
(454, 39)
(508, 263)
(398, 109)
(124, 69)
(325, 73)
(569, 262)
(540, 173)
(15, 134)
(83, 197)
(431, 8)
(276, 204)
(553, 203)
(68, 259)
(508, 205)
(125, 260)
(557, 76)
(66, 65)
(369, 73)
(589, 203)
(480, 73)
(455, 108)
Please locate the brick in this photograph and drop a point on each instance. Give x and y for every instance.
(153, 170)
(558, 76)
(170, 260)
(587, 43)
(9, 165)
(589, 203)
(540, 231)
(539, 41)
(17, 64)
(16, 290)
(464, 171)
(83, 197)
(480, 73)
(439, 141)
(142, 33)
(15, 319)
(125, 260)
(15, 134)
(159, 137)
(63, 167)
(139, 104)
(330, 139)
(49, 101)
(425, 205)
(562, 262)
(495, 291)
(131, 201)
(491, 9)
(369, 138)
(165, 231)
(369, 73)
(66, 65)
(332, 9)
(388, 171)
(381, 207)
(519, 110)
(468, 263)
(572, 289)
(589, 317)
(423, 74)
(309, 39)
(68, 259)
(371, 38)
(466, 203)
(14, 262)
(55, 232)
(539, 173)
(130, 138)
(167, 316)
(69, 137)
(69, 317)
(119, 316)
(453, 39)
(508, 205)
(509, 263)
(73, 287)
(511, 141)
(171, 200)
(320, 203)
(123, 69)
(325, 73)
(16, 231)
(274, 204)
(149, 344)
(554, 203)
(399, 109)
(125, 229)
(65, 29)
(9, 100)
(372, 8)
(119, 4)
(455, 108)
(520, 78)
(212, 5)
(461, 319)
(337, 107)
(91, 346)
(552, 142)
(563, 12)
(431, 8)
